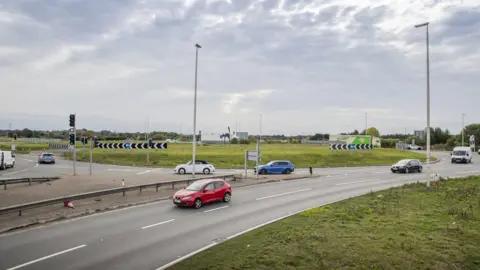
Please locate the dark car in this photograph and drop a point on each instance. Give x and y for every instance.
(407, 166)
(276, 166)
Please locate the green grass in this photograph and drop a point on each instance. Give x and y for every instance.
(401, 228)
(22, 147)
(225, 156)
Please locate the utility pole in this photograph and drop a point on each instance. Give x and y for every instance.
(194, 141)
(463, 128)
(366, 123)
(427, 41)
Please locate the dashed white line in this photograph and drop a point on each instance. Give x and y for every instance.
(119, 170)
(147, 171)
(157, 224)
(15, 172)
(46, 257)
(281, 194)
(215, 209)
(355, 182)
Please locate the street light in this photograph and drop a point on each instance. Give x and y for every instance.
(366, 127)
(463, 127)
(428, 91)
(194, 143)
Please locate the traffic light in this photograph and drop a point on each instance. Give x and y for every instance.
(72, 138)
(72, 120)
(95, 141)
(150, 142)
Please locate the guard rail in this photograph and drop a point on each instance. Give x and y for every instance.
(94, 194)
(6, 182)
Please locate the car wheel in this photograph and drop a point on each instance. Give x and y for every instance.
(227, 197)
(2, 167)
(263, 171)
(181, 171)
(197, 203)
(53, 162)
(287, 171)
(420, 169)
(206, 171)
(406, 170)
(453, 161)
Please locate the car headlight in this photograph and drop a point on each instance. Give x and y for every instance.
(187, 197)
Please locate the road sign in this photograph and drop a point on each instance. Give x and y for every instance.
(252, 155)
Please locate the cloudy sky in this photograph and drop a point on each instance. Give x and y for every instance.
(306, 66)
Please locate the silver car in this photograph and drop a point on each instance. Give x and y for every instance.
(46, 158)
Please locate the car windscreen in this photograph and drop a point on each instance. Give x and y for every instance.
(270, 163)
(459, 153)
(47, 155)
(195, 186)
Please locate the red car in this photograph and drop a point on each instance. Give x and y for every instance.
(202, 192)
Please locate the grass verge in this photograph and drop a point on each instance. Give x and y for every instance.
(225, 156)
(400, 228)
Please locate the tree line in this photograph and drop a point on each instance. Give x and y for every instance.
(438, 136)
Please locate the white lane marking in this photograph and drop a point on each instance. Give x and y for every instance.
(46, 257)
(364, 181)
(157, 224)
(281, 194)
(147, 171)
(15, 172)
(36, 165)
(29, 160)
(118, 170)
(244, 232)
(215, 209)
(477, 171)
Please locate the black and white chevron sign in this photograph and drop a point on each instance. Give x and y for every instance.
(350, 146)
(131, 146)
(58, 146)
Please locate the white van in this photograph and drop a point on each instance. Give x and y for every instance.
(461, 154)
(7, 160)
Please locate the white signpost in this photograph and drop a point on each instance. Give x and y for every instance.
(13, 147)
(251, 156)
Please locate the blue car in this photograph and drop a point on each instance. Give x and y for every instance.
(276, 166)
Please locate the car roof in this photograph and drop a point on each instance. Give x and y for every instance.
(206, 181)
(280, 161)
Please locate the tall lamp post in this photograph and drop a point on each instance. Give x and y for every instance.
(428, 90)
(366, 123)
(463, 128)
(194, 142)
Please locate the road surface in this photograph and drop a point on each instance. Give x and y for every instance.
(154, 235)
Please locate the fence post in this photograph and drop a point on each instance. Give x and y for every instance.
(123, 192)
(29, 181)
(156, 187)
(140, 191)
(20, 213)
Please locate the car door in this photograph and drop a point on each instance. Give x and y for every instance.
(199, 166)
(274, 167)
(219, 190)
(208, 193)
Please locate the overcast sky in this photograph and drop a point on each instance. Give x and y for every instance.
(306, 66)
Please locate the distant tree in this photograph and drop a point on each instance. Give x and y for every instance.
(371, 131)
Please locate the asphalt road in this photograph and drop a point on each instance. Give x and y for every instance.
(153, 235)
(27, 166)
